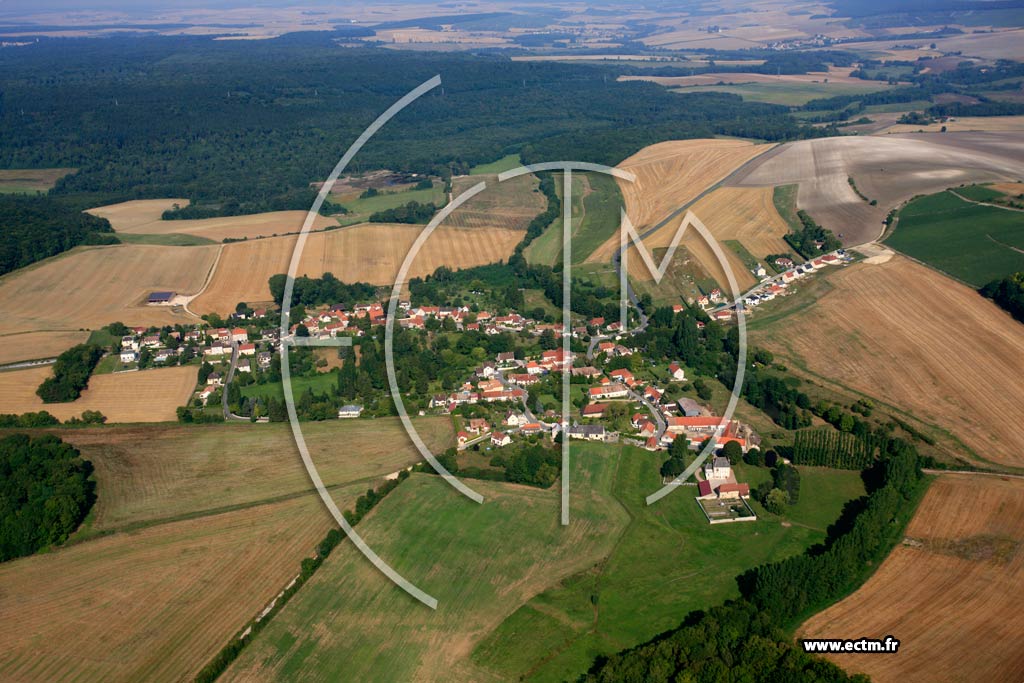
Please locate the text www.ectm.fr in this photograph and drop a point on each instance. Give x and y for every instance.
(886, 645)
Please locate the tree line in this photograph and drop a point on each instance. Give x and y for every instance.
(1008, 293)
(746, 639)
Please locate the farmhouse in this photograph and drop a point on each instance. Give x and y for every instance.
(614, 390)
(586, 432)
(500, 439)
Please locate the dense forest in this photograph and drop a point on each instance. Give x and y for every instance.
(219, 122)
(747, 639)
(45, 493)
(34, 228)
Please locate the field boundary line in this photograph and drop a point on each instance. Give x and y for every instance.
(206, 284)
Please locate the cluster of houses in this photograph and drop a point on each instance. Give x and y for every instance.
(771, 287)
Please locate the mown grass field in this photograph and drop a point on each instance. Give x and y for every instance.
(361, 209)
(505, 163)
(520, 596)
(975, 244)
(196, 528)
(31, 180)
(319, 384)
(668, 562)
(480, 561)
(596, 203)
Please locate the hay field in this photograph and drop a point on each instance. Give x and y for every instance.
(509, 205)
(144, 396)
(670, 174)
(187, 469)
(834, 75)
(951, 593)
(36, 345)
(889, 169)
(371, 252)
(135, 215)
(919, 342)
(142, 217)
(31, 179)
(91, 287)
(203, 527)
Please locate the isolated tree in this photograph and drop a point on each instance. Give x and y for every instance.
(733, 451)
(775, 502)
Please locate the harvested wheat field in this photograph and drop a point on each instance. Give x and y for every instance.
(509, 205)
(143, 217)
(156, 604)
(1012, 189)
(951, 594)
(92, 287)
(37, 345)
(920, 342)
(143, 396)
(670, 174)
(746, 215)
(370, 252)
(133, 216)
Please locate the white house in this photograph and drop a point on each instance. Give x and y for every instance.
(678, 374)
(500, 439)
(129, 356)
(346, 412)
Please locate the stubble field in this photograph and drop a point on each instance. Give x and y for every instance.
(144, 396)
(913, 339)
(951, 593)
(142, 217)
(91, 287)
(372, 252)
